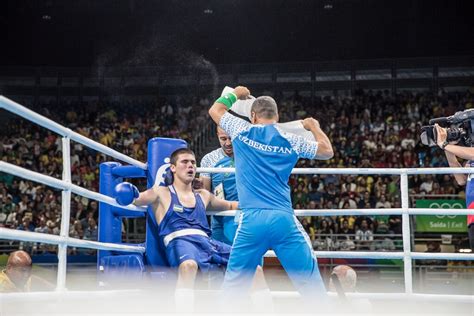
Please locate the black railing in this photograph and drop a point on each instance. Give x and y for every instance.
(312, 78)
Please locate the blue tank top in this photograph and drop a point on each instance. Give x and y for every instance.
(179, 217)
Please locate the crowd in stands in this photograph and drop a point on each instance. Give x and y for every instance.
(369, 129)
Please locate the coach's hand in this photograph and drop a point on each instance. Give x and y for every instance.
(310, 123)
(241, 92)
(125, 193)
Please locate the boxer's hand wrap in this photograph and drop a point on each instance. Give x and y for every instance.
(125, 193)
(228, 99)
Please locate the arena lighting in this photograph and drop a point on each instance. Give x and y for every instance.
(328, 5)
(465, 250)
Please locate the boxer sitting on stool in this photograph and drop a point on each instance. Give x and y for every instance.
(181, 215)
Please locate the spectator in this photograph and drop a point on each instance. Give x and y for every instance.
(433, 247)
(347, 278)
(383, 203)
(345, 238)
(382, 242)
(90, 233)
(364, 236)
(348, 198)
(26, 224)
(305, 222)
(16, 276)
(427, 185)
(395, 224)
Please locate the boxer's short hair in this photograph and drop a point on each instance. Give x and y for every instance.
(265, 107)
(174, 156)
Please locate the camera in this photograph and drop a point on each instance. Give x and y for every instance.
(459, 128)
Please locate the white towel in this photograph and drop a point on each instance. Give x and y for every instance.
(242, 107)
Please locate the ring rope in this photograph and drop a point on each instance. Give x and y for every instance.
(453, 298)
(63, 185)
(64, 241)
(368, 211)
(386, 171)
(417, 297)
(13, 234)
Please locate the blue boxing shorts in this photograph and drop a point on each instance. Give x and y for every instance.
(207, 252)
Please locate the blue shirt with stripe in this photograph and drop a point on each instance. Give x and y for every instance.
(218, 159)
(264, 157)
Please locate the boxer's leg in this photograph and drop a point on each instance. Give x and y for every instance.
(185, 255)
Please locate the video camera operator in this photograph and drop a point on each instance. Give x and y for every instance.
(453, 152)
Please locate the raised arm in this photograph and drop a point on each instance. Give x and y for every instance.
(325, 150)
(454, 163)
(458, 151)
(452, 153)
(126, 193)
(148, 197)
(224, 103)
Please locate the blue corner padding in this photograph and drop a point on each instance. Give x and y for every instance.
(110, 217)
(128, 172)
(122, 264)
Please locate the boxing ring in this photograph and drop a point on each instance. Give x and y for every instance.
(63, 241)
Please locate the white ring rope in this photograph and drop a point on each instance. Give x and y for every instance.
(376, 171)
(22, 172)
(418, 297)
(368, 211)
(78, 295)
(13, 234)
(65, 185)
(385, 255)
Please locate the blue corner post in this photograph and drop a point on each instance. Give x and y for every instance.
(110, 217)
(159, 152)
